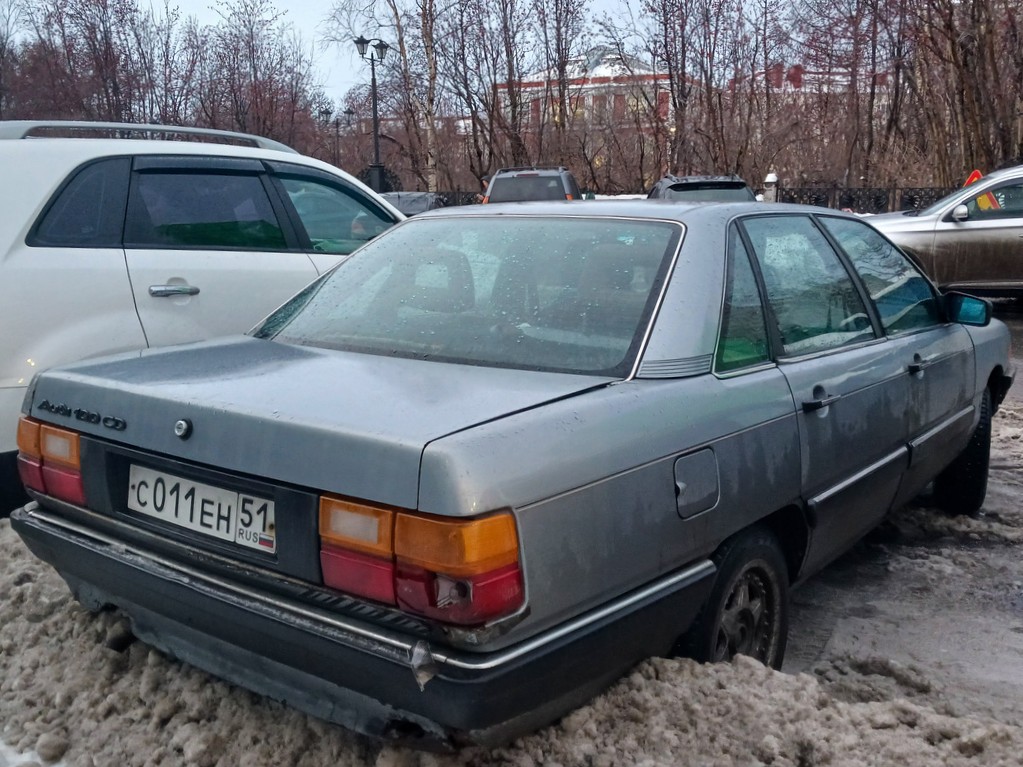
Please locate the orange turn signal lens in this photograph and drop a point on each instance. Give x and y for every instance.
(28, 437)
(59, 446)
(356, 526)
(456, 547)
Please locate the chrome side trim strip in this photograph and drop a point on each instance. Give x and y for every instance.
(848, 482)
(914, 445)
(274, 606)
(691, 574)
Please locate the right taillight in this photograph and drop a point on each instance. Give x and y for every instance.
(458, 571)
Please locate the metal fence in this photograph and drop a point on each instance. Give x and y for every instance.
(861, 200)
(867, 200)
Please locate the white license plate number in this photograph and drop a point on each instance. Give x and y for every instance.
(238, 518)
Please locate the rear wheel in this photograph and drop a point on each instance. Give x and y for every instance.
(747, 611)
(962, 486)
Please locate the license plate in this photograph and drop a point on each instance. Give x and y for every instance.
(246, 520)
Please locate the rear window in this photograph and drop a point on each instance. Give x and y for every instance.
(710, 193)
(537, 293)
(519, 188)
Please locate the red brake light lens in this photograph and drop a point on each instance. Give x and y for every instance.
(359, 574)
(464, 601)
(30, 471)
(64, 483)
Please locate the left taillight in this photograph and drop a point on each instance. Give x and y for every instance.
(457, 571)
(49, 460)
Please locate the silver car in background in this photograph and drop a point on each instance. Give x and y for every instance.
(464, 481)
(971, 240)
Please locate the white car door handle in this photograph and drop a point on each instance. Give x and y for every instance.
(158, 291)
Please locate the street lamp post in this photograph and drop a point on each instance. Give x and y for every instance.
(376, 53)
(337, 141)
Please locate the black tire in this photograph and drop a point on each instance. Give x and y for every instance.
(962, 486)
(747, 612)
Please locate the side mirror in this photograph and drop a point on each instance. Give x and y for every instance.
(960, 213)
(967, 310)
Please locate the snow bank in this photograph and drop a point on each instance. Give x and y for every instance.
(75, 687)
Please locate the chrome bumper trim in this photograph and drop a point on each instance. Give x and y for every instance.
(275, 607)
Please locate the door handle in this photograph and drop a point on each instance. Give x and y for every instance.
(810, 406)
(160, 291)
(919, 364)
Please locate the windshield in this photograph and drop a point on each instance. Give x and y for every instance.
(562, 294)
(936, 206)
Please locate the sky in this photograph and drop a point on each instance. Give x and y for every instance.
(339, 68)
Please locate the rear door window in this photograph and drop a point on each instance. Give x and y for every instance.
(202, 209)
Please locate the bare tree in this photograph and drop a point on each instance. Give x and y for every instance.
(559, 27)
(254, 74)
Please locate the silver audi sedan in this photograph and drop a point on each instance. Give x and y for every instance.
(465, 480)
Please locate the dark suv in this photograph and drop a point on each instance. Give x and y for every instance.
(730, 188)
(518, 184)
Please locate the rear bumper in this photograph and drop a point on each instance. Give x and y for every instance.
(370, 679)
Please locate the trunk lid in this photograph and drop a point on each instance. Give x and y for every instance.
(353, 424)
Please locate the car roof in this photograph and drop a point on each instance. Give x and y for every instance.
(532, 169)
(20, 129)
(1014, 170)
(670, 210)
(63, 153)
(89, 148)
(730, 180)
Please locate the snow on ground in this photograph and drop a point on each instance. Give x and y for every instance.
(76, 689)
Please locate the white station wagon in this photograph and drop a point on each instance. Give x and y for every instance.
(114, 244)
